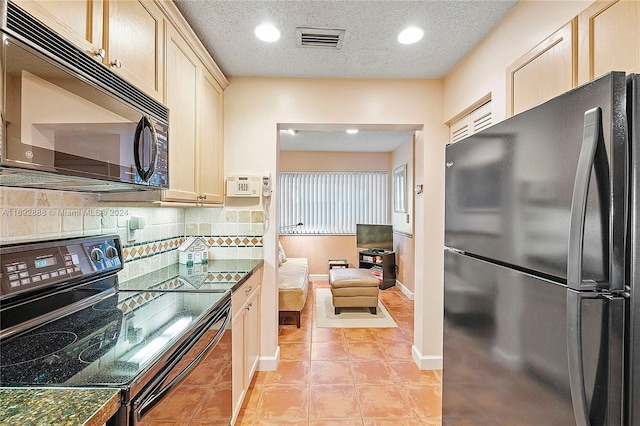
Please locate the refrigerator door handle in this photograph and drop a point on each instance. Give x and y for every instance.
(591, 137)
(574, 352)
(608, 396)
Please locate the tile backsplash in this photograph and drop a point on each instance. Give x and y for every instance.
(33, 215)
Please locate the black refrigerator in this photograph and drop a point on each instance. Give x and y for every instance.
(541, 306)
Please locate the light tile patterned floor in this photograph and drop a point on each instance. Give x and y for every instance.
(330, 376)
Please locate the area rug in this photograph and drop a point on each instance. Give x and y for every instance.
(349, 317)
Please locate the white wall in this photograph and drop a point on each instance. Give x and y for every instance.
(403, 155)
(253, 109)
(403, 222)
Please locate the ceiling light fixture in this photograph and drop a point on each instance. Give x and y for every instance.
(410, 35)
(267, 32)
(352, 131)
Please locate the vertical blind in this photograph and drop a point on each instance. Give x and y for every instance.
(332, 202)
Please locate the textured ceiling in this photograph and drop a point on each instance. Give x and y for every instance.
(369, 50)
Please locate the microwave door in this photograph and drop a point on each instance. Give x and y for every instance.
(58, 122)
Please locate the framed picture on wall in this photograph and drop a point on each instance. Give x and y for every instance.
(400, 189)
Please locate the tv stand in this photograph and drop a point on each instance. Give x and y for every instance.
(382, 262)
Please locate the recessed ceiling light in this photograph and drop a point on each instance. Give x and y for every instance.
(352, 131)
(267, 32)
(410, 35)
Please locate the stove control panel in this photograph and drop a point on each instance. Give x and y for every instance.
(32, 266)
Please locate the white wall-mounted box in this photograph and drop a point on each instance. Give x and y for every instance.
(243, 186)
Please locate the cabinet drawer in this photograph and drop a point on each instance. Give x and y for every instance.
(243, 293)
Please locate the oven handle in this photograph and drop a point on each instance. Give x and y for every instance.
(157, 390)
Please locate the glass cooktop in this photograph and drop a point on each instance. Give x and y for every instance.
(108, 343)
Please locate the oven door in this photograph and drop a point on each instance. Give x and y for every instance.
(207, 352)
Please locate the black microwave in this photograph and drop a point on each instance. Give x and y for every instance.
(69, 122)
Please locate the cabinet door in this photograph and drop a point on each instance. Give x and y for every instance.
(78, 21)
(210, 154)
(182, 78)
(133, 39)
(609, 33)
(237, 362)
(547, 70)
(251, 336)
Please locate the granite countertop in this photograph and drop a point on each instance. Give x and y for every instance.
(57, 406)
(216, 275)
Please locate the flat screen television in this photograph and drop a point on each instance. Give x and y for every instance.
(378, 237)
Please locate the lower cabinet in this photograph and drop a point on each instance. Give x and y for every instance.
(245, 332)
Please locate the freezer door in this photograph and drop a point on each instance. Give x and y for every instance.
(509, 188)
(506, 357)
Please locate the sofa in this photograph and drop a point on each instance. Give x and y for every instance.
(293, 284)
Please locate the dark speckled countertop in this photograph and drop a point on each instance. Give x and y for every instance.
(217, 275)
(57, 406)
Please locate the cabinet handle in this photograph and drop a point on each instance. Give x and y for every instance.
(247, 291)
(249, 307)
(116, 63)
(100, 52)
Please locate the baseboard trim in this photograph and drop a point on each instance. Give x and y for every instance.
(410, 295)
(426, 362)
(269, 363)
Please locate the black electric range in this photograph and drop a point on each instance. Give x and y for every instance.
(64, 323)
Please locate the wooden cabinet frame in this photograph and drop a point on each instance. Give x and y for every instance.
(625, 52)
(567, 35)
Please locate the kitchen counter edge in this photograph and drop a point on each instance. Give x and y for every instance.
(242, 280)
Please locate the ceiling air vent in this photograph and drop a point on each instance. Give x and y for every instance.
(319, 37)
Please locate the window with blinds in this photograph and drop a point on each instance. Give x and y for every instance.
(476, 120)
(332, 202)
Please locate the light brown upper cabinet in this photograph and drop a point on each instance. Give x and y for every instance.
(182, 74)
(195, 99)
(133, 43)
(210, 148)
(547, 70)
(609, 34)
(125, 35)
(79, 21)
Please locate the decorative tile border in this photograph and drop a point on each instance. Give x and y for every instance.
(151, 248)
(144, 250)
(231, 241)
